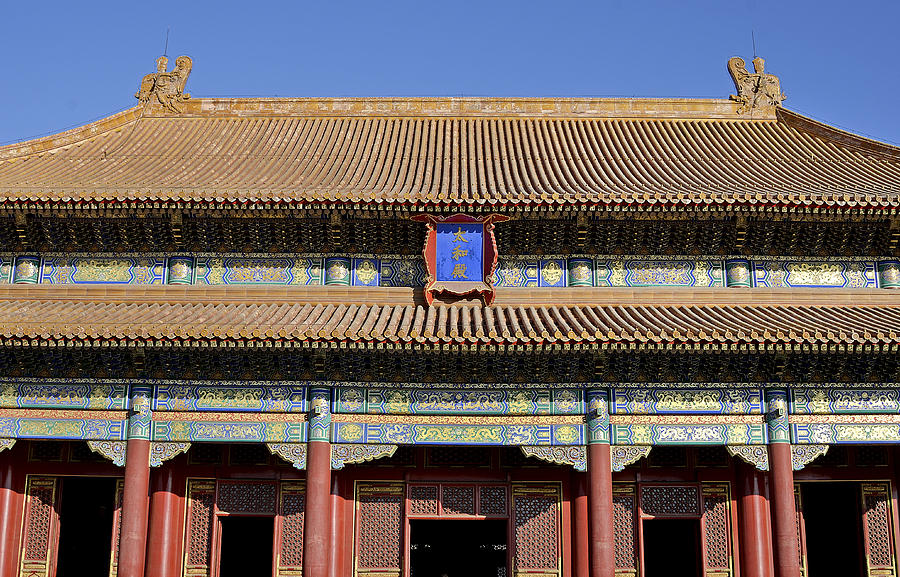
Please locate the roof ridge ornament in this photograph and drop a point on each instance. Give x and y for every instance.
(756, 90)
(167, 88)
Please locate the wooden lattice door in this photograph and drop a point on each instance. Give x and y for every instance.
(289, 529)
(117, 529)
(536, 519)
(878, 536)
(378, 545)
(41, 528)
(201, 499)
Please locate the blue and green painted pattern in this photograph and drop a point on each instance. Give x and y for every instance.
(231, 397)
(61, 428)
(815, 274)
(458, 434)
(688, 401)
(36, 395)
(839, 401)
(845, 433)
(229, 431)
(90, 270)
(692, 434)
(462, 402)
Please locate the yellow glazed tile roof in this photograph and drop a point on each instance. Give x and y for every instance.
(423, 152)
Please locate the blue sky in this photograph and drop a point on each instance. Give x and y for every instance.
(71, 62)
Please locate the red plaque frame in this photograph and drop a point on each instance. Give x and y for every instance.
(484, 288)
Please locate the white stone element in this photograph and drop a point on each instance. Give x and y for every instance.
(756, 455)
(575, 456)
(161, 452)
(112, 450)
(803, 455)
(357, 453)
(621, 456)
(293, 453)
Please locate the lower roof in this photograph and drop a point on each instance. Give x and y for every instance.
(329, 316)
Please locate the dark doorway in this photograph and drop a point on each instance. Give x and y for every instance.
(832, 518)
(672, 548)
(246, 546)
(85, 526)
(451, 548)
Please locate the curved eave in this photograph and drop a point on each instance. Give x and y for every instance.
(416, 154)
(685, 319)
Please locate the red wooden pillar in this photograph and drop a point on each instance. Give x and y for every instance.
(164, 534)
(755, 538)
(317, 519)
(781, 474)
(133, 539)
(602, 532)
(580, 527)
(10, 510)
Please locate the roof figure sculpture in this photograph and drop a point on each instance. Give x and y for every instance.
(755, 90)
(166, 87)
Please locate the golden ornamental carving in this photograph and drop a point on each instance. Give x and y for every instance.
(754, 90)
(167, 88)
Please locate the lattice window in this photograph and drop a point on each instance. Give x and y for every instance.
(714, 456)
(877, 528)
(458, 499)
(423, 500)
(378, 525)
(46, 451)
(870, 456)
(492, 501)
(293, 508)
(41, 522)
(536, 510)
(248, 454)
(205, 454)
(624, 509)
(201, 496)
(668, 457)
(459, 457)
(717, 529)
(247, 497)
(670, 500)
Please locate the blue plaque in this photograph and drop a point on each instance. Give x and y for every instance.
(460, 252)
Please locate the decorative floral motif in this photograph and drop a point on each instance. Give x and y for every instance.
(112, 450)
(803, 455)
(161, 452)
(294, 453)
(756, 455)
(346, 454)
(575, 456)
(623, 455)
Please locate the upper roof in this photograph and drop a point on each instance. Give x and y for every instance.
(426, 152)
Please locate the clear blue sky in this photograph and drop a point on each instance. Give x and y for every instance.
(71, 62)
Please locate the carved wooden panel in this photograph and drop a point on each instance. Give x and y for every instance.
(717, 550)
(379, 518)
(536, 523)
(801, 529)
(201, 496)
(117, 529)
(41, 529)
(458, 500)
(624, 522)
(292, 506)
(423, 500)
(492, 501)
(249, 497)
(877, 533)
(670, 500)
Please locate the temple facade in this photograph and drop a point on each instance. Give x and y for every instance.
(443, 337)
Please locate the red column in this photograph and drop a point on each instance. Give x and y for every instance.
(317, 519)
(784, 514)
(10, 509)
(755, 539)
(133, 540)
(162, 553)
(602, 533)
(581, 556)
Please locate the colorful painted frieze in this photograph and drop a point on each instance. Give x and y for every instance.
(458, 434)
(231, 397)
(660, 272)
(806, 401)
(846, 431)
(6, 269)
(102, 270)
(475, 402)
(225, 430)
(50, 426)
(687, 401)
(814, 274)
(63, 395)
(265, 271)
(689, 434)
(403, 272)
